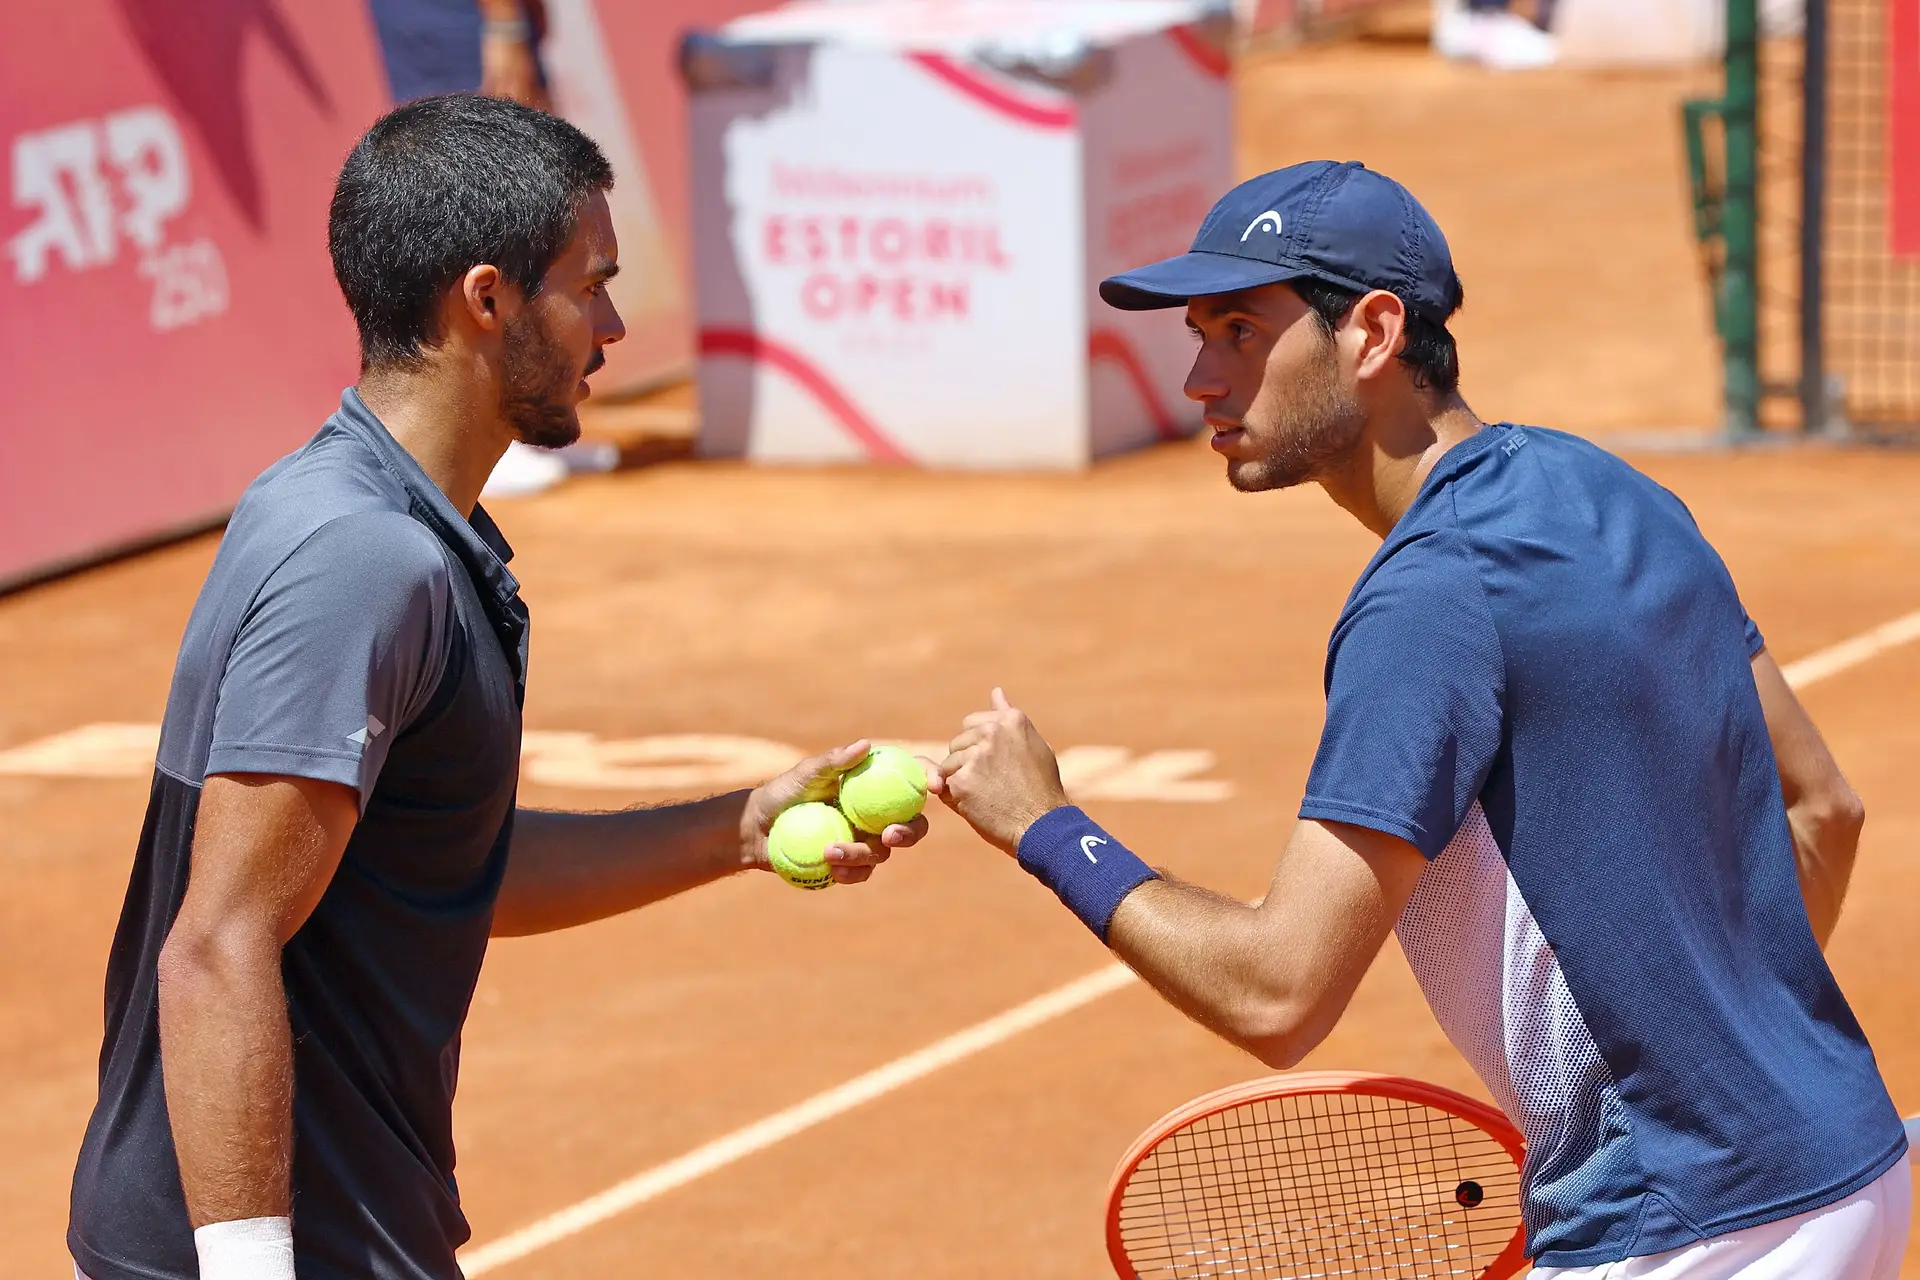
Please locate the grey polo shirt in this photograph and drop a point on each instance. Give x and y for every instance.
(354, 628)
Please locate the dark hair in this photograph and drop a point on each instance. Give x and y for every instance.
(439, 186)
(1429, 350)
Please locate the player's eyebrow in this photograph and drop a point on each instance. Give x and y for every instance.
(603, 269)
(1225, 304)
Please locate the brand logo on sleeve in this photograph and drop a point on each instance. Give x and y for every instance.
(373, 730)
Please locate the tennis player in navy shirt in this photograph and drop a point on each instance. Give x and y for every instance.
(1557, 760)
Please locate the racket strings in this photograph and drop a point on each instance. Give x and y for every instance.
(1305, 1186)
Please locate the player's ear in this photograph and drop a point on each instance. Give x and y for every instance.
(1380, 320)
(481, 296)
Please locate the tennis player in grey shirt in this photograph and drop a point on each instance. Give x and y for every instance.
(332, 834)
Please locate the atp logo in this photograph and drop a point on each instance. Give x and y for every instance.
(1270, 220)
(96, 184)
(1088, 844)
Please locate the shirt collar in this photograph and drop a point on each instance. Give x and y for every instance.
(476, 540)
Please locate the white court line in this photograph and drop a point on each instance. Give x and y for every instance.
(1851, 653)
(798, 1118)
(821, 1107)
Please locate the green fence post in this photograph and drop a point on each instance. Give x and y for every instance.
(1740, 222)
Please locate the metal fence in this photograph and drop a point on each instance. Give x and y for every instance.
(1870, 297)
(1793, 194)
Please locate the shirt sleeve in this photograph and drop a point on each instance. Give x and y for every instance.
(1415, 700)
(340, 651)
(1755, 641)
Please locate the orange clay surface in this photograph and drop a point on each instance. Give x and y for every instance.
(1142, 605)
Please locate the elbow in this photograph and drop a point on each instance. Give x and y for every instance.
(1835, 819)
(197, 964)
(1849, 816)
(1272, 1029)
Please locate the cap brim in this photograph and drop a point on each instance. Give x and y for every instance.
(1172, 281)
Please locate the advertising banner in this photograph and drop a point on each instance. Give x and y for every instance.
(902, 211)
(168, 317)
(1903, 126)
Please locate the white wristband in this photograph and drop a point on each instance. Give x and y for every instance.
(249, 1249)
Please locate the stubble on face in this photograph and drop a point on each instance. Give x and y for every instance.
(537, 383)
(1304, 423)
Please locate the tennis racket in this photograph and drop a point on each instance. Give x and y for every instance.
(1321, 1174)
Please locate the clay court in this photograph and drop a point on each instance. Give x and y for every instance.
(1141, 606)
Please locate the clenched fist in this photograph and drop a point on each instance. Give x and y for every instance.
(999, 774)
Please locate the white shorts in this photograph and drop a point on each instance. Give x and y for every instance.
(1862, 1237)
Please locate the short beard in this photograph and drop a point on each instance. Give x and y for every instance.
(536, 391)
(1315, 426)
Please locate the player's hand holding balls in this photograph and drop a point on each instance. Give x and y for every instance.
(888, 788)
(999, 774)
(798, 842)
(792, 828)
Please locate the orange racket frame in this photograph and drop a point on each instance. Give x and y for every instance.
(1296, 1084)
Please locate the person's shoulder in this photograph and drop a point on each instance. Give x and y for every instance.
(1426, 565)
(334, 473)
(376, 548)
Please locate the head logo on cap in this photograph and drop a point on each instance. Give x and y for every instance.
(1268, 217)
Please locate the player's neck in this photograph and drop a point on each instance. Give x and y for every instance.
(433, 413)
(1397, 452)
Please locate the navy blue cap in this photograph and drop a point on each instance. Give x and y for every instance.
(1340, 223)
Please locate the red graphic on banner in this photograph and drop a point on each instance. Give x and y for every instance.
(758, 349)
(169, 323)
(1209, 57)
(1108, 344)
(989, 94)
(1903, 126)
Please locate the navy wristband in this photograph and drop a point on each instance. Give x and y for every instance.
(1090, 870)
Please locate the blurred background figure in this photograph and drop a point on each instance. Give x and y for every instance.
(1494, 34)
(463, 46)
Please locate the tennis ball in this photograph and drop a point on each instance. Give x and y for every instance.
(797, 843)
(889, 786)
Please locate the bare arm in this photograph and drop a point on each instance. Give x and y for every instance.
(264, 850)
(1823, 812)
(571, 868)
(1273, 978)
(567, 869)
(507, 53)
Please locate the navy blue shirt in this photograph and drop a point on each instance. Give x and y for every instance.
(1543, 682)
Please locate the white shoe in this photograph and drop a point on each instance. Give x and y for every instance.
(1508, 42)
(1455, 35)
(524, 470)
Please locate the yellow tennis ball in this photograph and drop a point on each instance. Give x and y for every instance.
(889, 786)
(798, 840)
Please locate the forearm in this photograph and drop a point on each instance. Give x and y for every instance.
(226, 1055)
(1826, 838)
(1823, 812)
(567, 869)
(1208, 957)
